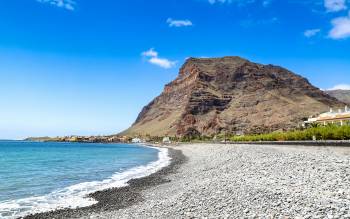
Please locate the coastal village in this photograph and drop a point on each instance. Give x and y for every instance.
(103, 139)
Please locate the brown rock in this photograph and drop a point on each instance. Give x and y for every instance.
(234, 95)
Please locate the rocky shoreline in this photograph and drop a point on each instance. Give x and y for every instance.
(250, 181)
(118, 198)
(233, 181)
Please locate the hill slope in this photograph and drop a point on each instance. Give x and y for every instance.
(342, 95)
(230, 94)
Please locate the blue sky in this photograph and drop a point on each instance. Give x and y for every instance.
(88, 67)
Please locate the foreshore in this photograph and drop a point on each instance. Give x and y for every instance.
(233, 181)
(118, 198)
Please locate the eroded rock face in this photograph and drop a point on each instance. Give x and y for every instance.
(234, 95)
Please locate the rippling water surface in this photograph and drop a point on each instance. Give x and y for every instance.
(42, 176)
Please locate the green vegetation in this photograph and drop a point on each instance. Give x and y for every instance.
(329, 132)
(194, 139)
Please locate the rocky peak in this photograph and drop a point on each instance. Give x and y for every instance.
(231, 94)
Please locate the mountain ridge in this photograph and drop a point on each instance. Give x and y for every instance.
(230, 94)
(342, 95)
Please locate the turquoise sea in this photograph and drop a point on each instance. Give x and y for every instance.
(36, 177)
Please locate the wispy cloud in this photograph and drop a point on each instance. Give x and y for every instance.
(312, 32)
(340, 87)
(341, 28)
(179, 23)
(335, 5)
(239, 2)
(152, 57)
(264, 3)
(218, 1)
(150, 53)
(66, 4)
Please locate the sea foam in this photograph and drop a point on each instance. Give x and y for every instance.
(76, 195)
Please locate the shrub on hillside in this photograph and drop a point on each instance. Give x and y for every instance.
(329, 132)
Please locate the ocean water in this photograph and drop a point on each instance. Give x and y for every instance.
(37, 177)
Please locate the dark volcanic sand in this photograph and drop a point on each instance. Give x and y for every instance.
(118, 198)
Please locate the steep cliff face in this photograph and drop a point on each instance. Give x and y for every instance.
(231, 94)
(342, 95)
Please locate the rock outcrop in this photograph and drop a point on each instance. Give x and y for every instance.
(231, 94)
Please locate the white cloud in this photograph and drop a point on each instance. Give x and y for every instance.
(341, 28)
(164, 63)
(153, 58)
(150, 53)
(179, 23)
(335, 5)
(66, 4)
(311, 32)
(341, 87)
(240, 2)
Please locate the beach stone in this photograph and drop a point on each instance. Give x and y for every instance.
(243, 181)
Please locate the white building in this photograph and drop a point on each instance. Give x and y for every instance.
(166, 140)
(136, 140)
(340, 117)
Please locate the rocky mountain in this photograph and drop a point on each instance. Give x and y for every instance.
(231, 94)
(342, 95)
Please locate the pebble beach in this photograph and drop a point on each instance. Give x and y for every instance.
(240, 181)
